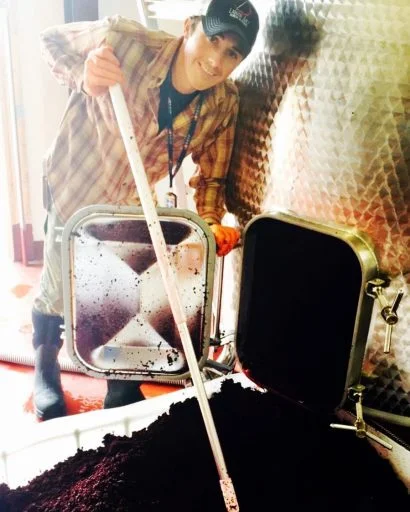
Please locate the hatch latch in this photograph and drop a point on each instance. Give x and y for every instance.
(374, 289)
(360, 427)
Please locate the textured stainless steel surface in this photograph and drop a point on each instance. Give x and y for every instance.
(324, 131)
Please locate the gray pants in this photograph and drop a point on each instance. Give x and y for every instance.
(50, 298)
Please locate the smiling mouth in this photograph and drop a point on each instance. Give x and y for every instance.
(208, 71)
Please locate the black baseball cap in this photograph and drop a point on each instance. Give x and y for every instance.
(234, 16)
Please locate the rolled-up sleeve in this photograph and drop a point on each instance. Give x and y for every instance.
(65, 48)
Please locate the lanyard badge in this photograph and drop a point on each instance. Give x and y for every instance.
(171, 199)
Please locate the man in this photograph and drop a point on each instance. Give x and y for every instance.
(181, 103)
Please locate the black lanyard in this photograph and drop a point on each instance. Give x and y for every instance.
(188, 137)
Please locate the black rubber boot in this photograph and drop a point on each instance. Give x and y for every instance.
(122, 392)
(48, 393)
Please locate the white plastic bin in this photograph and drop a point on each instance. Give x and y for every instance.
(55, 440)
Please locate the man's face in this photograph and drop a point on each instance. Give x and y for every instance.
(208, 61)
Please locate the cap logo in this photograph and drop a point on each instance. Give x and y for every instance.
(241, 13)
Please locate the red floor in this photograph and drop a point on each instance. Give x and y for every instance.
(83, 393)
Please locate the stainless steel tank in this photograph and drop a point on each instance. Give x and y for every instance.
(324, 131)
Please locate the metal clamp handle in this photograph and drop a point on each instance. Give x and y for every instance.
(359, 427)
(389, 312)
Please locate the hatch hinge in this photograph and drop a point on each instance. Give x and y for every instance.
(360, 427)
(374, 289)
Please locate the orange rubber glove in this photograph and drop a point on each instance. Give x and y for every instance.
(225, 237)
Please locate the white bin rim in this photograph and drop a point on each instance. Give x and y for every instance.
(53, 441)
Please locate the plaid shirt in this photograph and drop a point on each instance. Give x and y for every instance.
(87, 163)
